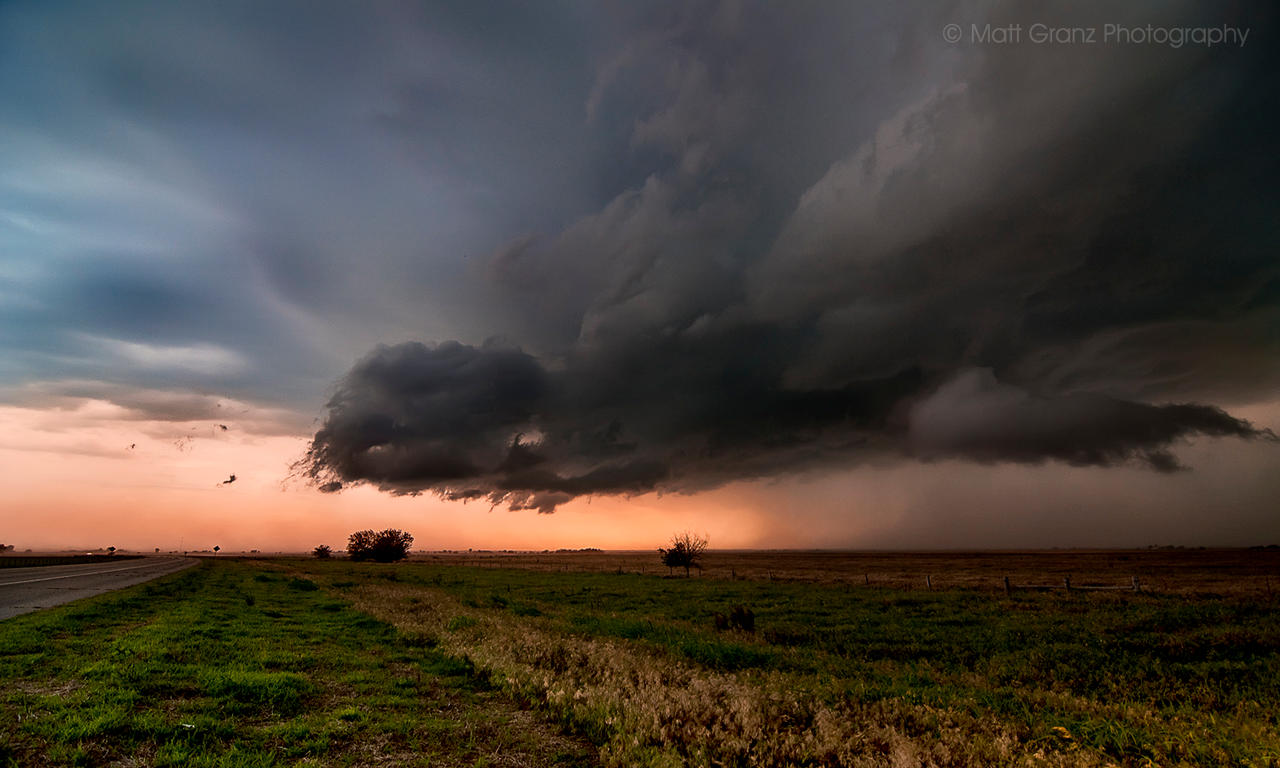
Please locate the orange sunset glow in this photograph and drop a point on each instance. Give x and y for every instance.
(89, 477)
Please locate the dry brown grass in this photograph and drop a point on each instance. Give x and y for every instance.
(1236, 572)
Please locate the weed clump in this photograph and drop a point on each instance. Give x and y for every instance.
(458, 623)
(302, 585)
(279, 692)
(740, 617)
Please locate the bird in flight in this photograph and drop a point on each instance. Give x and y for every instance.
(231, 479)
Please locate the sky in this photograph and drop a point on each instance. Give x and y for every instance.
(970, 274)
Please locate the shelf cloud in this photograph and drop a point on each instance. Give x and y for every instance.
(1025, 261)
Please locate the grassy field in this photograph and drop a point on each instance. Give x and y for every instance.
(1240, 572)
(333, 663)
(230, 664)
(837, 675)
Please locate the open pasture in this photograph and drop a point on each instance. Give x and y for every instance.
(319, 663)
(236, 665)
(1242, 572)
(835, 672)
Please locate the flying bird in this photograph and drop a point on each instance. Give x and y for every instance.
(222, 427)
(231, 479)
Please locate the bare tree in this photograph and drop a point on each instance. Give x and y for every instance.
(685, 551)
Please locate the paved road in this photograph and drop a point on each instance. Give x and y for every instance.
(23, 590)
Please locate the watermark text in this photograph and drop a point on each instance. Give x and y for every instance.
(1103, 34)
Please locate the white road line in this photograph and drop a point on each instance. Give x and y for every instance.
(77, 575)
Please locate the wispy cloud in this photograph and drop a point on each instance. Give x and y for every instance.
(197, 358)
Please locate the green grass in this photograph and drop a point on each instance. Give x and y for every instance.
(268, 664)
(231, 665)
(1093, 644)
(1133, 678)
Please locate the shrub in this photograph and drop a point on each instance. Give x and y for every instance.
(380, 546)
(322, 552)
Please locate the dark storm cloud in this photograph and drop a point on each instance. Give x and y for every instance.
(493, 422)
(721, 240)
(410, 414)
(1001, 258)
(975, 416)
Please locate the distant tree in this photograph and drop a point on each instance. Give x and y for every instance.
(157, 550)
(111, 551)
(322, 552)
(6, 547)
(685, 551)
(380, 546)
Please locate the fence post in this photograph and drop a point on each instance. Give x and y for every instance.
(1008, 590)
(1066, 582)
(1136, 587)
(928, 580)
(866, 579)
